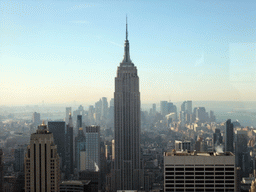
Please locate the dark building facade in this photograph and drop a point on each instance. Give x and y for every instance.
(229, 136)
(69, 161)
(58, 130)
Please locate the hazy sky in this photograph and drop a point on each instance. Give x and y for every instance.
(63, 51)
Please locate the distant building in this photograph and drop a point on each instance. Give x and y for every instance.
(104, 109)
(242, 152)
(199, 171)
(69, 164)
(75, 186)
(36, 119)
(19, 159)
(182, 145)
(42, 169)
(68, 111)
(229, 138)
(57, 128)
(163, 108)
(154, 109)
(217, 140)
(79, 122)
(92, 148)
(80, 147)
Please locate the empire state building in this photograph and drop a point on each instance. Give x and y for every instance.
(128, 174)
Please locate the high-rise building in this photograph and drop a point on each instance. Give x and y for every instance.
(164, 107)
(42, 169)
(69, 149)
(217, 141)
(79, 122)
(229, 138)
(199, 171)
(242, 152)
(68, 111)
(98, 110)
(80, 146)
(36, 119)
(127, 166)
(57, 128)
(104, 109)
(19, 159)
(1, 171)
(92, 135)
(154, 109)
(182, 145)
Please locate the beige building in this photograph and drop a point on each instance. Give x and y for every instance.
(199, 171)
(42, 168)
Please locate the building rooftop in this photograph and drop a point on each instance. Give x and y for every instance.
(196, 153)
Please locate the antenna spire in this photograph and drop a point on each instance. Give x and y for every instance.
(126, 29)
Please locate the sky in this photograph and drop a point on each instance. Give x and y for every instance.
(61, 51)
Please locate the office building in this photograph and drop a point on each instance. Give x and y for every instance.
(164, 108)
(217, 140)
(80, 146)
(92, 148)
(79, 122)
(36, 119)
(199, 171)
(229, 138)
(42, 168)
(68, 111)
(104, 109)
(69, 161)
(242, 152)
(127, 173)
(19, 159)
(57, 128)
(182, 145)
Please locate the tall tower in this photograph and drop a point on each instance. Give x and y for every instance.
(127, 125)
(69, 148)
(229, 136)
(42, 168)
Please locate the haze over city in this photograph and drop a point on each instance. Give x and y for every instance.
(65, 51)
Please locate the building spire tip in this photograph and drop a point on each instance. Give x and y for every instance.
(126, 28)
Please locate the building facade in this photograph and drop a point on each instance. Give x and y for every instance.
(229, 136)
(127, 166)
(57, 128)
(92, 148)
(69, 160)
(42, 168)
(80, 146)
(199, 171)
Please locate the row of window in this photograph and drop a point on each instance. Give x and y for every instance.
(199, 173)
(199, 177)
(201, 169)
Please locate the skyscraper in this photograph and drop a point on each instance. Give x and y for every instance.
(229, 136)
(19, 159)
(42, 169)
(92, 148)
(68, 110)
(36, 119)
(69, 148)
(127, 173)
(80, 143)
(57, 128)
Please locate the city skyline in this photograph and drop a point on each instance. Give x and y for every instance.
(60, 52)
